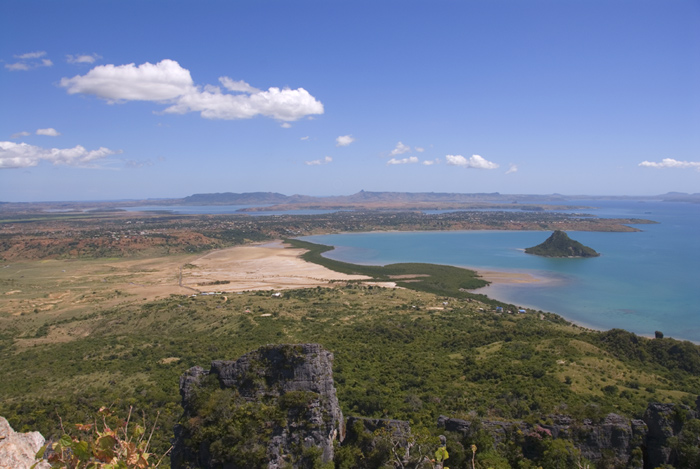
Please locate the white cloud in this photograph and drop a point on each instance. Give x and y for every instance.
(241, 86)
(282, 104)
(475, 161)
(431, 162)
(326, 160)
(22, 155)
(31, 55)
(163, 81)
(671, 163)
(286, 125)
(17, 66)
(20, 134)
(408, 160)
(29, 61)
(419, 149)
(344, 141)
(304, 138)
(82, 58)
(168, 82)
(50, 132)
(400, 149)
(513, 168)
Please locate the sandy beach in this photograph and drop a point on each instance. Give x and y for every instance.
(270, 266)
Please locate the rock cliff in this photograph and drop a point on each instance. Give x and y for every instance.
(273, 407)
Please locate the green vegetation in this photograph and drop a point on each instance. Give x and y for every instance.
(430, 278)
(235, 430)
(560, 245)
(398, 353)
(118, 444)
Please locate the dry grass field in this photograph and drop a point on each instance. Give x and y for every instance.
(39, 290)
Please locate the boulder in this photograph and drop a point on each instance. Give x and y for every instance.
(18, 450)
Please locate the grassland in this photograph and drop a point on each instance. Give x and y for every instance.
(398, 353)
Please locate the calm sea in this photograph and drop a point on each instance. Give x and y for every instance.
(643, 282)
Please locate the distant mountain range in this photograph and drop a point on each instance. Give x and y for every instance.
(363, 197)
(359, 200)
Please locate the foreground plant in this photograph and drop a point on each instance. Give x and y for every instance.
(121, 447)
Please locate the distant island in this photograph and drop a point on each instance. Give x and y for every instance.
(560, 245)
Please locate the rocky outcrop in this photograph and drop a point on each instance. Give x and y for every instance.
(361, 431)
(613, 440)
(498, 429)
(18, 450)
(665, 421)
(560, 245)
(283, 397)
(277, 407)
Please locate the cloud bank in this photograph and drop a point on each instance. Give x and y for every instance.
(23, 155)
(167, 82)
(671, 163)
(475, 161)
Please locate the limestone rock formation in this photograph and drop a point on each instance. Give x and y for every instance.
(18, 450)
(615, 439)
(273, 407)
(665, 421)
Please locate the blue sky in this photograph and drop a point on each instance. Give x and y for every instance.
(104, 100)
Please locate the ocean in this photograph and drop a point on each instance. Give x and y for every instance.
(643, 282)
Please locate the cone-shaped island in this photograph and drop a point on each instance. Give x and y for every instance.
(560, 245)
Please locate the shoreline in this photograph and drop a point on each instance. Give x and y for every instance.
(275, 265)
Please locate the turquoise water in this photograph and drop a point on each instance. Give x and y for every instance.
(643, 282)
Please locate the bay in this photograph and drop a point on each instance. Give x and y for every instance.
(643, 282)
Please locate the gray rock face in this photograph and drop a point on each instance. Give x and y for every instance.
(664, 421)
(17, 450)
(498, 429)
(296, 381)
(616, 435)
(357, 427)
(613, 440)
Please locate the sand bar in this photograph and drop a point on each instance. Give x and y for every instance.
(497, 276)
